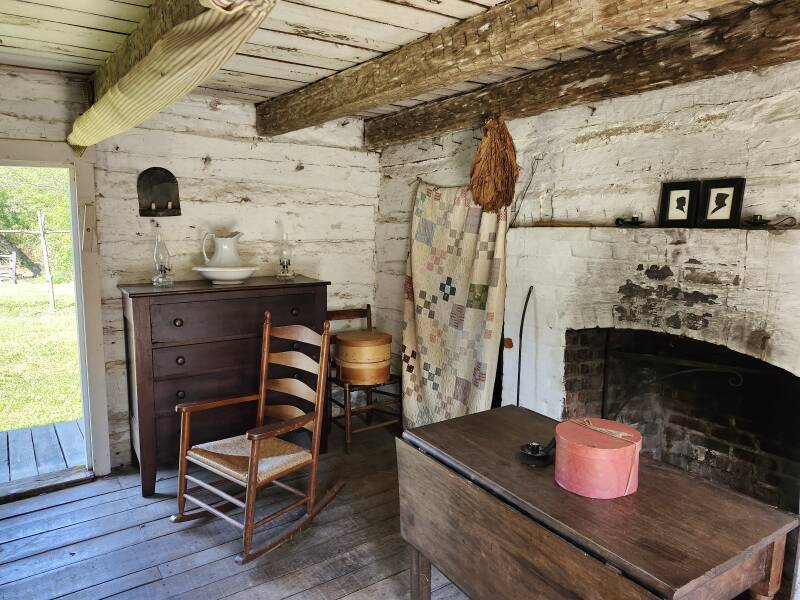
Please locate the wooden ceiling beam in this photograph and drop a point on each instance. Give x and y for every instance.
(162, 16)
(749, 39)
(505, 35)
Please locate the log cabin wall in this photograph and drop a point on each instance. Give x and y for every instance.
(596, 162)
(316, 183)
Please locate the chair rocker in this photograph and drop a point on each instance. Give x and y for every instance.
(259, 457)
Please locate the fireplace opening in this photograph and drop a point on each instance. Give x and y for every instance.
(700, 407)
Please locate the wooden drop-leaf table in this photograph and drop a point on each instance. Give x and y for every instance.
(501, 529)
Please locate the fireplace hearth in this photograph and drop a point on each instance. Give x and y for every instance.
(703, 408)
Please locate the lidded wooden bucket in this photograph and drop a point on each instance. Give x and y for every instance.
(363, 356)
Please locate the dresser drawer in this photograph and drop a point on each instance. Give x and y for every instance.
(203, 358)
(227, 384)
(209, 319)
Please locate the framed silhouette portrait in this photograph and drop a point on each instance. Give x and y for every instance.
(678, 203)
(721, 203)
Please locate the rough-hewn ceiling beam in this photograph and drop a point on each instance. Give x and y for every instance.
(749, 39)
(505, 35)
(162, 16)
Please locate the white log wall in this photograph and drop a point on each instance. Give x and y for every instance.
(315, 184)
(600, 161)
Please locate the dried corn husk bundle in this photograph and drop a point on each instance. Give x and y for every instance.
(494, 170)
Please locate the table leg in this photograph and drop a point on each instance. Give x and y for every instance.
(420, 576)
(769, 586)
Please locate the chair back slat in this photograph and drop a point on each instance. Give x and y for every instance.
(295, 360)
(287, 398)
(297, 333)
(292, 387)
(284, 412)
(349, 314)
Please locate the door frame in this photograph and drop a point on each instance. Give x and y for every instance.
(34, 153)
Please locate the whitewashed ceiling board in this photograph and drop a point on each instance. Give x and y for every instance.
(9, 56)
(385, 12)
(292, 55)
(119, 9)
(311, 46)
(255, 82)
(274, 68)
(220, 93)
(66, 15)
(65, 51)
(60, 33)
(336, 27)
(459, 9)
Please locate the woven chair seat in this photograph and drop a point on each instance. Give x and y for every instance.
(231, 456)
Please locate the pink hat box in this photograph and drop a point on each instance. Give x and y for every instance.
(597, 458)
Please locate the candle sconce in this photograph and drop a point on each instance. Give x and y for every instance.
(158, 193)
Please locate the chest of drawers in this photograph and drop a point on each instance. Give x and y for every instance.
(194, 342)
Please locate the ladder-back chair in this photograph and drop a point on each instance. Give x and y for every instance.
(259, 457)
(372, 406)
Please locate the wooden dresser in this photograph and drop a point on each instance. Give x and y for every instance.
(195, 341)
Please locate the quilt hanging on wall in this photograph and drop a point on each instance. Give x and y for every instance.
(453, 311)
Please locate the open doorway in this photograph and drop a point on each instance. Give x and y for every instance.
(86, 313)
(42, 429)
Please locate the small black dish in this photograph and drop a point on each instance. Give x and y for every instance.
(536, 455)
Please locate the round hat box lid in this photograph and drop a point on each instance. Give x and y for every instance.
(597, 458)
(363, 338)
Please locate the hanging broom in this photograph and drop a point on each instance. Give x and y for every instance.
(494, 170)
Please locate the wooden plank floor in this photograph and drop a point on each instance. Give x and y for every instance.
(102, 539)
(41, 450)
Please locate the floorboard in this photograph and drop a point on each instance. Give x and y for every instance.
(40, 451)
(102, 539)
(4, 473)
(49, 457)
(21, 458)
(72, 443)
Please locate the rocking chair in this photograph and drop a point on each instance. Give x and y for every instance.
(259, 457)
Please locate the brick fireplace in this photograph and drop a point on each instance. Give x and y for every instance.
(692, 336)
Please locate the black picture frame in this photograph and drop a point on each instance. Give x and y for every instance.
(723, 197)
(672, 215)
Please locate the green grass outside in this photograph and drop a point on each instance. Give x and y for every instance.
(39, 365)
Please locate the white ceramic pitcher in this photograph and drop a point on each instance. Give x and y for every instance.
(225, 253)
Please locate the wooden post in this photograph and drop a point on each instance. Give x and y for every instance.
(48, 276)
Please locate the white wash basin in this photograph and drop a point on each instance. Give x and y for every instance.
(226, 275)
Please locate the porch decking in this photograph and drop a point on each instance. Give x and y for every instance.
(40, 450)
(103, 539)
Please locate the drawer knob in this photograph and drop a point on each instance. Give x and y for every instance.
(295, 345)
(178, 322)
(180, 360)
(180, 394)
(295, 311)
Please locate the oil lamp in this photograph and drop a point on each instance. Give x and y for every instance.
(285, 259)
(163, 262)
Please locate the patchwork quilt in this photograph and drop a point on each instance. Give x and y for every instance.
(453, 312)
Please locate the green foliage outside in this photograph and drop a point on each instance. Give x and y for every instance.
(23, 192)
(39, 364)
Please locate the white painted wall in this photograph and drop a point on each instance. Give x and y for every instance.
(600, 161)
(316, 184)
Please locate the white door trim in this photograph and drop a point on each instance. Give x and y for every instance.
(87, 272)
